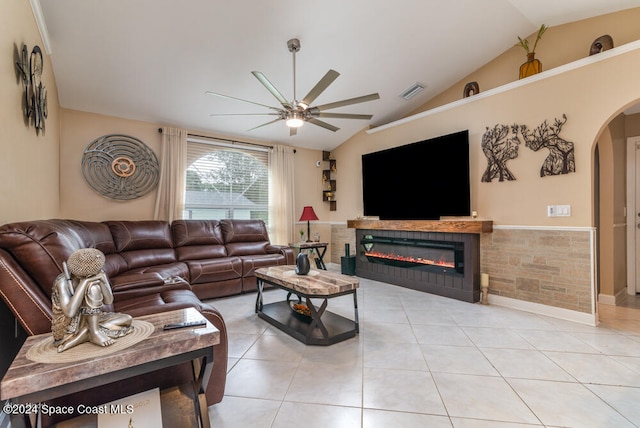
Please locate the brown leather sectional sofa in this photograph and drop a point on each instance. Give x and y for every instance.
(153, 266)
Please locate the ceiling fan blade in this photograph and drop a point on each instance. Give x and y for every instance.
(345, 116)
(267, 84)
(240, 99)
(322, 124)
(264, 124)
(320, 87)
(245, 114)
(293, 131)
(348, 102)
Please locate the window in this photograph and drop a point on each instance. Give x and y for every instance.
(226, 181)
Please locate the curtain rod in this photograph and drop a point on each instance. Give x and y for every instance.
(224, 139)
(228, 140)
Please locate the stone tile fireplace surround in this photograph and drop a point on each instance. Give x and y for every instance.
(550, 268)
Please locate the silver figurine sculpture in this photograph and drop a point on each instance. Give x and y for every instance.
(77, 298)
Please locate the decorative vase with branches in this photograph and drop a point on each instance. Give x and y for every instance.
(533, 65)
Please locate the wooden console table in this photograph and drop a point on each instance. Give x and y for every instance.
(28, 383)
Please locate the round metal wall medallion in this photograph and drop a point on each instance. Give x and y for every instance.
(120, 167)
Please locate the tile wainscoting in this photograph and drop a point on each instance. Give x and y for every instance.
(340, 235)
(547, 266)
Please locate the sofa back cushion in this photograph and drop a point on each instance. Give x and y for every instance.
(143, 243)
(245, 237)
(198, 239)
(42, 246)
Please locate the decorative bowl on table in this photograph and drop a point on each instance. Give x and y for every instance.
(299, 309)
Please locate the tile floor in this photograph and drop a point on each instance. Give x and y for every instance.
(427, 361)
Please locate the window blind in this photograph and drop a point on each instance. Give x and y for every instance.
(226, 181)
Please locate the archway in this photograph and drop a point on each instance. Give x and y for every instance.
(613, 217)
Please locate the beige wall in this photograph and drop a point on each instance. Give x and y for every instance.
(308, 191)
(29, 163)
(78, 199)
(591, 96)
(589, 109)
(559, 45)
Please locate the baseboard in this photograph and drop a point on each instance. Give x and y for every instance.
(539, 309)
(616, 300)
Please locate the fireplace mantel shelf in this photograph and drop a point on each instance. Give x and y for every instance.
(447, 226)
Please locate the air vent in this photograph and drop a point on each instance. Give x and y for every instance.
(411, 91)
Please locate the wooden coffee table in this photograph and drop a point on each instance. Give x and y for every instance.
(317, 326)
(29, 382)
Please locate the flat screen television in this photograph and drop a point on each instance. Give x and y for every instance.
(420, 181)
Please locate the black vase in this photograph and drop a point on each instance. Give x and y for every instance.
(302, 264)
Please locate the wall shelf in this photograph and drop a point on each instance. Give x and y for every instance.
(328, 182)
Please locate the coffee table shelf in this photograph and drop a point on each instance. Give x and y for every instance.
(279, 315)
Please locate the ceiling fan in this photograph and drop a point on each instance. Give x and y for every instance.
(295, 113)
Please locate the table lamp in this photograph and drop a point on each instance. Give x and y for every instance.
(307, 215)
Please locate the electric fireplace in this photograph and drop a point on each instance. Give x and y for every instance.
(447, 264)
(410, 253)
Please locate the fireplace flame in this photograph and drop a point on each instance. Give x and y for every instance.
(418, 260)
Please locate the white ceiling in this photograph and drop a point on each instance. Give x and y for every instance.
(153, 60)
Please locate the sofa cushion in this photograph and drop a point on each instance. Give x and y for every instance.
(198, 239)
(213, 270)
(247, 248)
(245, 237)
(140, 235)
(143, 243)
(244, 231)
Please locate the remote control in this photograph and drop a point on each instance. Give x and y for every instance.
(184, 324)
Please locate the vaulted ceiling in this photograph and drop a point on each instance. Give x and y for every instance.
(154, 60)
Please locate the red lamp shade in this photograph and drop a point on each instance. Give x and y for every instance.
(308, 214)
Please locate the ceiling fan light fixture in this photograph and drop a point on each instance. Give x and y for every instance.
(294, 120)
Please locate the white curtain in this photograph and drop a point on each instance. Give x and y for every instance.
(173, 164)
(281, 206)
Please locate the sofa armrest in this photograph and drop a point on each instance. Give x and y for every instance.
(288, 252)
(24, 297)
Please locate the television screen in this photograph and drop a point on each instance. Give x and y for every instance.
(420, 181)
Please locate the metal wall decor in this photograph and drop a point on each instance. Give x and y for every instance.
(34, 102)
(501, 144)
(498, 149)
(561, 158)
(120, 167)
